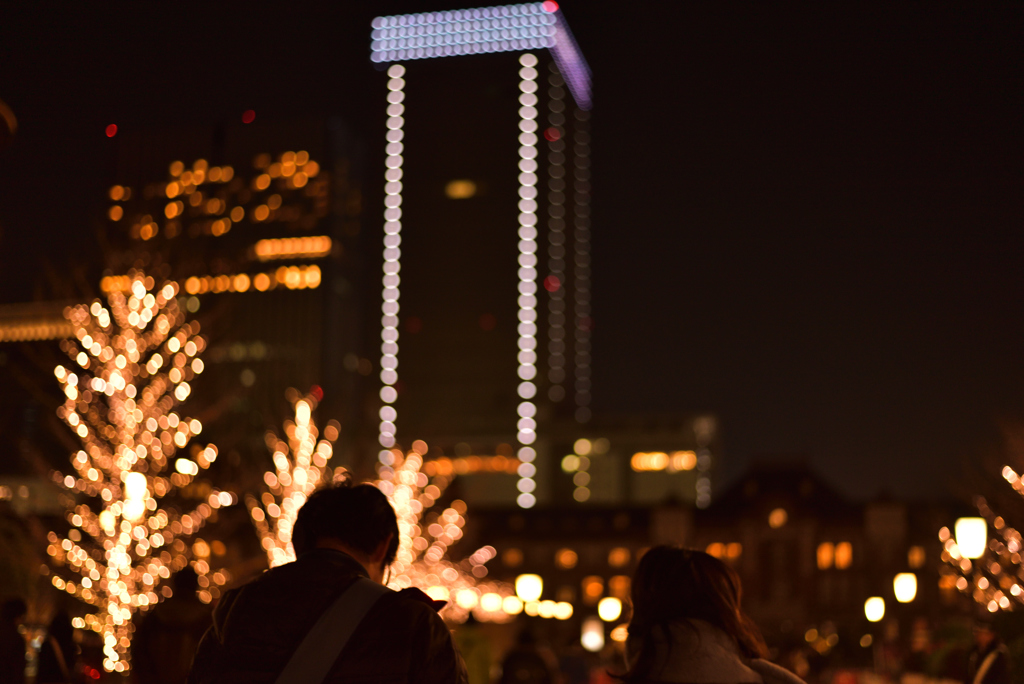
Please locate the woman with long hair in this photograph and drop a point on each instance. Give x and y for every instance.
(687, 625)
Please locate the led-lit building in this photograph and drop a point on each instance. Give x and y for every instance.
(259, 225)
(486, 275)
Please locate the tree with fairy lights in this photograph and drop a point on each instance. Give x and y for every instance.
(424, 538)
(131, 363)
(988, 567)
(300, 465)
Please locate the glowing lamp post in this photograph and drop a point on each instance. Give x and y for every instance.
(609, 609)
(529, 587)
(904, 585)
(874, 608)
(971, 537)
(592, 637)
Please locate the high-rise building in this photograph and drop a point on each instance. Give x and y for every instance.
(258, 223)
(486, 276)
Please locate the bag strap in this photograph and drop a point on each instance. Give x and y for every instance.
(323, 643)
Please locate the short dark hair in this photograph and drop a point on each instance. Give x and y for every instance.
(359, 516)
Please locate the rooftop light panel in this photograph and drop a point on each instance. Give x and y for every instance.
(505, 28)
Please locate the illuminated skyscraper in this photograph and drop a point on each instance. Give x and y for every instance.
(487, 195)
(258, 226)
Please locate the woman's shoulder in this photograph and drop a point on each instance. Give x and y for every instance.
(772, 673)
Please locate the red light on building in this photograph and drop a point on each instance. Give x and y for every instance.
(552, 283)
(552, 134)
(317, 392)
(111, 130)
(550, 6)
(248, 116)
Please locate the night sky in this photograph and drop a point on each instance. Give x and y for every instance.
(807, 218)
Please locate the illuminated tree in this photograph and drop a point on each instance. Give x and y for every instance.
(995, 579)
(424, 538)
(300, 465)
(131, 363)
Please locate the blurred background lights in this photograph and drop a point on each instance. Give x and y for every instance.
(527, 328)
(874, 609)
(248, 116)
(592, 635)
(777, 518)
(111, 130)
(529, 587)
(460, 189)
(609, 608)
(392, 251)
(905, 587)
(971, 537)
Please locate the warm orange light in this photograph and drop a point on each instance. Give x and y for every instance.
(844, 555)
(618, 557)
(115, 213)
(826, 555)
(777, 518)
(566, 558)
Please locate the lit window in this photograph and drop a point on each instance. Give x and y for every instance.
(777, 518)
(460, 189)
(513, 558)
(593, 587)
(618, 586)
(566, 558)
(843, 555)
(916, 557)
(618, 557)
(826, 555)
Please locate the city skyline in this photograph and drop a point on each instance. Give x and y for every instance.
(820, 251)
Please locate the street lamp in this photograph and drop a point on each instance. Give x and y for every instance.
(592, 636)
(971, 536)
(609, 608)
(529, 587)
(904, 585)
(874, 608)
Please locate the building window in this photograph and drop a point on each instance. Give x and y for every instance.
(618, 586)
(777, 518)
(566, 559)
(593, 587)
(826, 555)
(843, 555)
(512, 558)
(618, 557)
(916, 557)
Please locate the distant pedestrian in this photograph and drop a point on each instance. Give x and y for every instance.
(687, 625)
(58, 656)
(475, 649)
(326, 617)
(12, 643)
(528, 662)
(169, 634)
(988, 662)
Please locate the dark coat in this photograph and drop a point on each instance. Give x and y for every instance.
(258, 627)
(989, 666)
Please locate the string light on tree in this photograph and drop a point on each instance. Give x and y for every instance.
(300, 465)
(993, 578)
(131, 363)
(425, 536)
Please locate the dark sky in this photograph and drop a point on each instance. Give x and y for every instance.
(808, 217)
